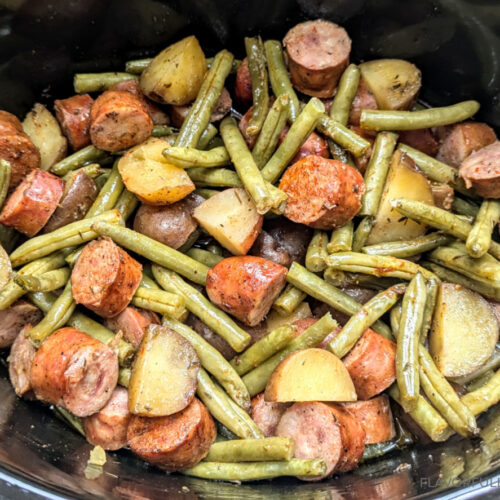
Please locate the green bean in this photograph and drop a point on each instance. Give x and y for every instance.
(273, 126)
(191, 157)
(414, 120)
(206, 136)
(4, 179)
(214, 177)
(204, 256)
(485, 397)
(193, 237)
(200, 306)
(137, 66)
(341, 239)
(97, 82)
(124, 376)
(359, 322)
(362, 232)
(491, 364)
(74, 256)
(206, 192)
(93, 170)
(256, 379)
(154, 251)
(479, 239)
(346, 90)
(77, 159)
(314, 286)
(278, 74)
(478, 382)
(198, 117)
(147, 281)
(73, 421)
(162, 131)
(109, 194)
(8, 238)
(408, 248)
(334, 277)
(46, 282)
(407, 357)
(170, 304)
(126, 204)
(298, 133)
(432, 287)
(317, 252)
(463, 207)
(102, 179)
(376, 172)
(340, 154)
(289, 300)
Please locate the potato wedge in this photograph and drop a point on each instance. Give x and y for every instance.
(150, 177)
(175, 75)
(395, 83)
(275, 320)
(403, 181)
(464, 331)
(163, 379)
(44, 130)
(231, 217)
(310, 375)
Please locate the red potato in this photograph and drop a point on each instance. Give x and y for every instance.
(314, 145)
(15, 318)
(322, 193)
(267, 415)
(243, 85)
(317, 52)
(119, 120)
(108, 427)
(291, 237)
(245, 286)
(73, 115)
(268, 248)
(421, 139)
(443, 195)
(105, 278)
(20, 361)
(73, 370)
(375, 417)
(364, 99)
(174, 442)
(32, 203)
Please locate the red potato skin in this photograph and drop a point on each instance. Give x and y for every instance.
(105, 278)
(243, 85)
(22, 354)
(245, 286)
(174, 442)
(119, 120)
(267, 415)
(73, 370)
(322, 193)
(268, 248)
(421, 139)
(73, 115)
(33, 202)
(314, 145)
(364, 99)
(15, 318)
(108, 427)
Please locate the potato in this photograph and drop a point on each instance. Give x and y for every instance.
(163, 379)
(310, 375)
(44, 130)
(464, 331)
(395, 83)
(275, 320)
(403, 181)
(175, 75)
(5, 267)
(231, 218)
(148, 175)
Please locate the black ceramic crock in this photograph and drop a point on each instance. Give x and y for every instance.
(456, 44)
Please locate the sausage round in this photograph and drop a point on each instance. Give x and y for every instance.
(245, 286)
(243, 85)
(108, 427)
(364, 99)
(313, 145)
(15, 318)
(73, 370)
(174, 442)
(119, 120)
(267, 415)
(318, 52)
(73, 114)
(421, 139)
(243, 124)
(32, 203)
(105, 278)
(20, 361)
(322, 193)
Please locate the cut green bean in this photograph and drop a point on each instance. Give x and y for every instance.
(206, 136)
(124, 376)
(98, 82)
(341, 239)
(346, 90)
(191, 157)
(5, 171)
(206, 192)
(73, 421)
(485, 397)
(166, 303)
(289, 300)
(93, 170)
(464, 207)
(479, 239)
(162, 131)
(214, 177)
(362, 232)
(126, 204)
(193, 237)
(108, 195)
(77, 159)
(491, 364)
(137, 66)
(334, 277)
(317, 252)
(46, 282)
(432, 287)
(204, 256)
(408, 248)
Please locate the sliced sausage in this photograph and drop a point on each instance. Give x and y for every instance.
(15, 318)
(108, 427)
(243, 124)
(293, 238)
(172, 224)
(318, 52)
(361, 162)
(9, 123)
(119, 120)
(322, 193)
(20, 361)
(175, 442)
(421, 139)
(313, 145)
(443, 195)
(267, 415)
(375, 417)
(79, 194)
(371, 363)
(364, 99)
(245, 286)
(105, 278)
(73, 114)
(268, 248)
(131, 322)
(243, 85)
(303, 324)
(32, 203)
(481, 171)
(73, 370)
(460, 140)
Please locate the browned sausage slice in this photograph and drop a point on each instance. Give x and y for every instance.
(322, 193)
(243, 85)
(105, 278)
(364, 99)
(267, 415)
(73, 370)
(32, 203)
(245, 286)
(421, 139)
(73, 114)
(119, 120)
(318, 52)
(108, 427)
(20, 361)
(175, 442)
(15, 318)
(375, 416)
